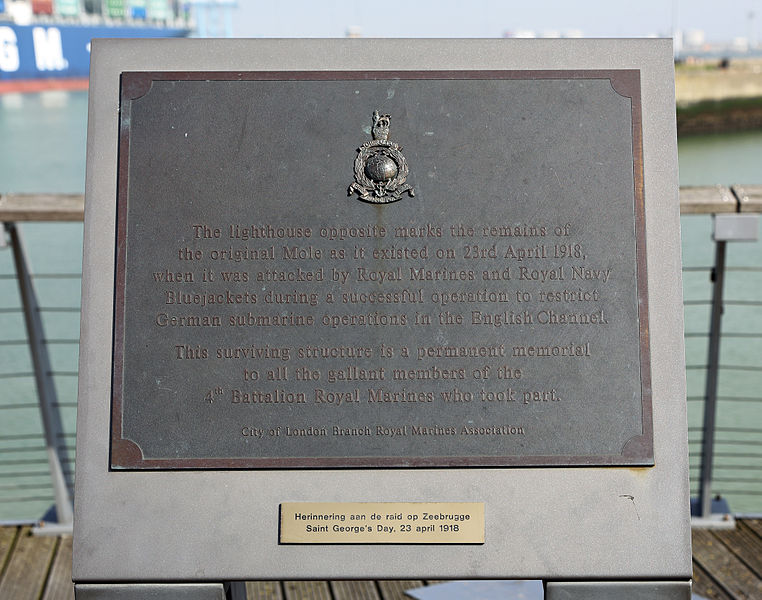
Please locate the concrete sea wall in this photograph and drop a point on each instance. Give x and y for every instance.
(716, 97)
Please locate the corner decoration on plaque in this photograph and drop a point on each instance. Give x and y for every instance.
(380, 168)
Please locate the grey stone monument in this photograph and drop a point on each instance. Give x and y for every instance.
(376, 295)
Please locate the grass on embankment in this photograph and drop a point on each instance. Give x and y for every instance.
(715, 116)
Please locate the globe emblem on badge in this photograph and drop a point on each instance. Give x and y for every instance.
(380, 168)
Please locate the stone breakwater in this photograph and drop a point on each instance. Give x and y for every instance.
(716, 98)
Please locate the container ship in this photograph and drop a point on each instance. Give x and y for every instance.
(45, 44)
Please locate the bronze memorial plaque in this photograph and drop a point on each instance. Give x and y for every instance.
(380, 269)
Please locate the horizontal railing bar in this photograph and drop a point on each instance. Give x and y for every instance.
(744, 269)
(724, 335)
(724, 302)
(11, 276)
(35, 448)
(737, 455)
(45, 473)
(706, 200)
(727, 367)
(737, 268)
(736, 429)
(737, 480)
(746, 466)
(13, 342)
(50, 342)
(732, 467)
(747, 433)
(697, 429)
(728, 334)
(42, 207)
(694, 491)
(51, 309)
(20, 449)
(28, 461)
(738, 492)
(25, 486)
(728, 398)
(71, 207)
(693, 302)
(28, 499)
(44, 276)
(730, 442)
(18, 342)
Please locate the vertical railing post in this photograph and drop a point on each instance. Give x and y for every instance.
(710, 396)
(734, 227)
(51, 417)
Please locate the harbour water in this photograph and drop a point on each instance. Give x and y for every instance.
(43, 150)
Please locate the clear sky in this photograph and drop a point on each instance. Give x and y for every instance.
(721, 20)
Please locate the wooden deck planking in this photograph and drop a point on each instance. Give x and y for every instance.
(726, 569)
(705, 586)
(727, 566)
(59, 586)
(264, 590)
(755, 525)
(745, 544)
(307, 590)
(7, 538)
(395, 589)
(354, 590)
(27, 569)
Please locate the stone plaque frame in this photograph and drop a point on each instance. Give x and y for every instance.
(158, 526)
(638, 450)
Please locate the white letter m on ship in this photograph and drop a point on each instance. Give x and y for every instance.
(48, 51)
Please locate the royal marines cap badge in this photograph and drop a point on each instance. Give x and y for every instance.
(380, 168)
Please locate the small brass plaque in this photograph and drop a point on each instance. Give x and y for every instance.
(382, 523)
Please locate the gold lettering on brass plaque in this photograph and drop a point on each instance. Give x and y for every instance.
(382, 523)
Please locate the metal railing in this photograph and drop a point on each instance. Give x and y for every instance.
(37, 465)
(36, 449)
(726, 454)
